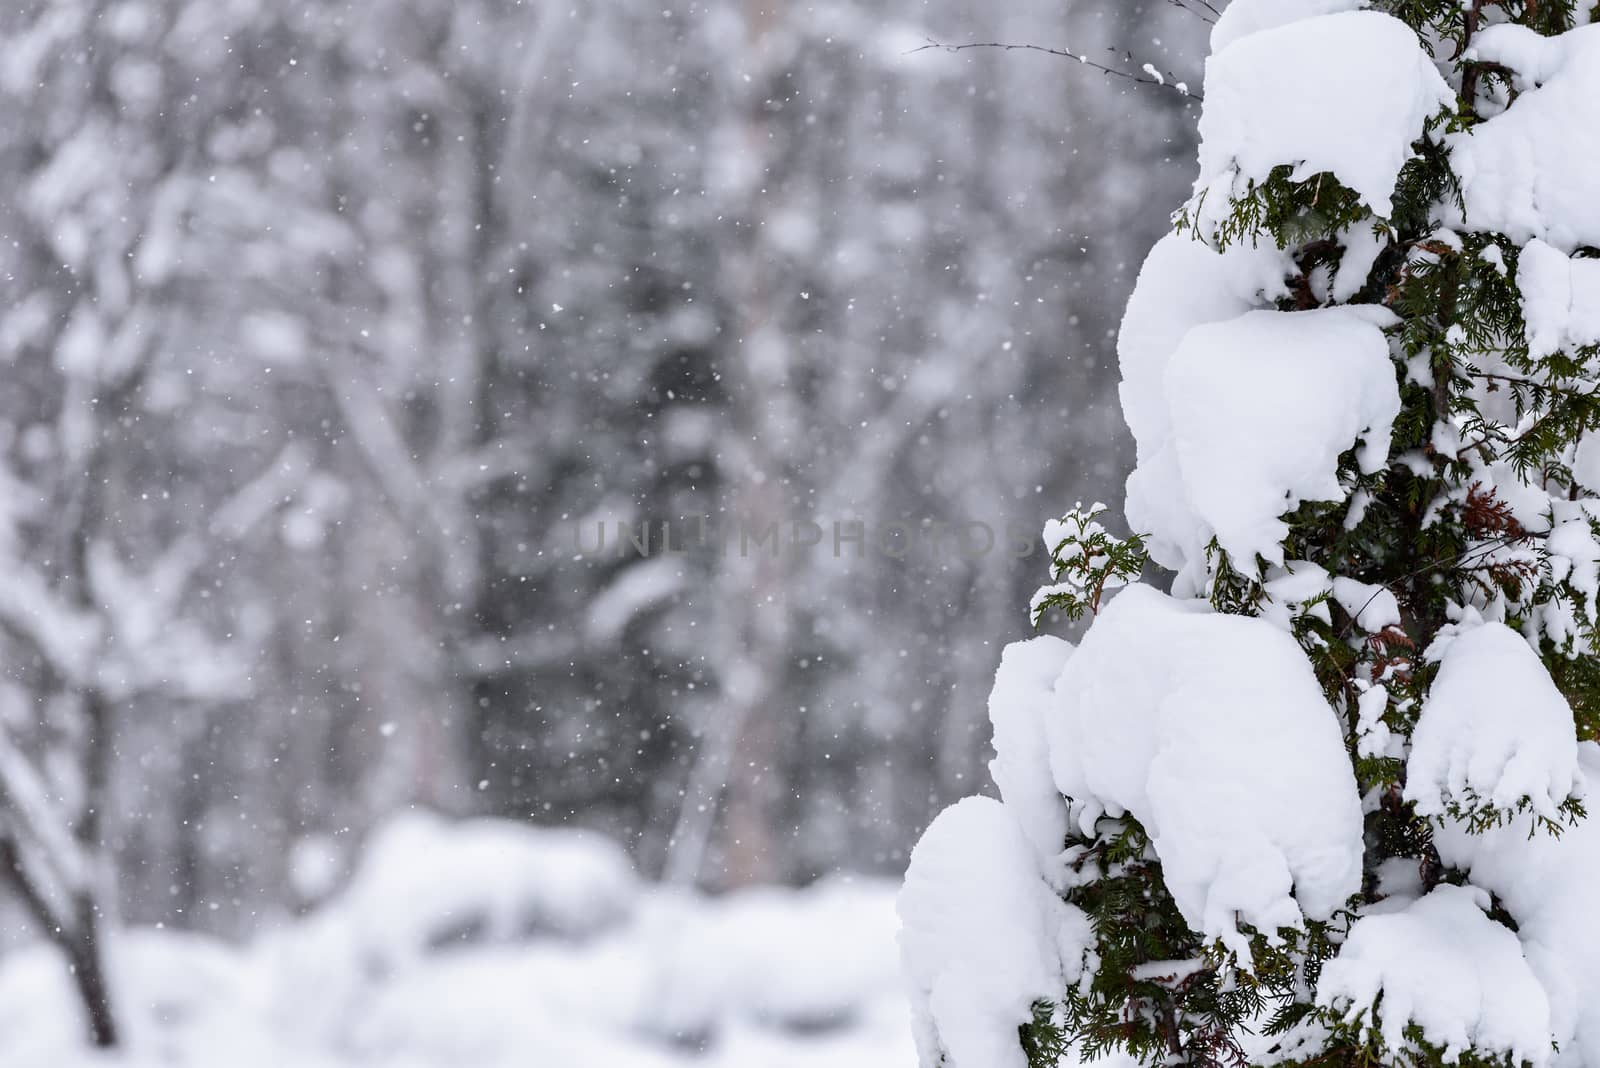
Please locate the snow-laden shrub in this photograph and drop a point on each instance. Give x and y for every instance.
(425, 883)
(1322, 802)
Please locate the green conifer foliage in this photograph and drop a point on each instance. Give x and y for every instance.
(1426, 527)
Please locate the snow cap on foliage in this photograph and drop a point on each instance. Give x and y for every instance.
(1445, 966)
(1241, 18)
(1018, 704)
(1183, 284)
(1211, 730)
(1586, 461)
(1529, 172)
(1547, 883)
(1494, 730)
(1373, 607)
(1572, 552)
(1262, 407)
(1344, 93)
(1364, 241)
(1560, 299)
(982, 937)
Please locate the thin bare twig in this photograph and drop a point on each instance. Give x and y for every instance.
(1151, 75)
(1531, 383)
(1181, 5)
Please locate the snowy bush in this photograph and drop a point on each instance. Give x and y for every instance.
(1323, 802)
(425, 883)
(776, 977)
(802, 961)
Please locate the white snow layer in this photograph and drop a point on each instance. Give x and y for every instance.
(1560, 299)
(1494, 730)
(1529, 171)
(1018, 704)
(1244, 17)
(1373, 607)
(1442, 964)
(983, 937)
(409, 893)
(1183, 284)
(1211, 730)
(772, 977)
(1547, 884)
(1260, 409)
(1364, 241)
(1259, 87)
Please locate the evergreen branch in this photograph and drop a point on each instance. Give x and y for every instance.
(1151, 75)
(1434, 565)
(1517, 380)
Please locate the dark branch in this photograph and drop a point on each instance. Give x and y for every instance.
(1534, 384)
(23, 885)
(1196, 12)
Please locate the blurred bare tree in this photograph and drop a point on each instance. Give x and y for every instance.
(328, 330)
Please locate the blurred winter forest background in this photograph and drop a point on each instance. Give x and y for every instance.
(327, 329)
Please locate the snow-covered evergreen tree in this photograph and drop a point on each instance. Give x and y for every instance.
(1323, 801)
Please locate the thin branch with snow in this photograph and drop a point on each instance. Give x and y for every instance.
(1149, 74)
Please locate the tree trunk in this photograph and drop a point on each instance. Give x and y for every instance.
(83, 951)
(77, 938)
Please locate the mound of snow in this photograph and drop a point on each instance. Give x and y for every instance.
(804, 961)
(1261, 408)
(1018, 704)
(1445, 966)
(1529, 171)
(425, 882)
(1574, 554)
(183, 999)
(781, 978)
(1494, 730)
(1212, 731)
(1560, 299)
(1241, 18)
(1183, 284)
(1547, 884)
(982, 937)
(1294, 94)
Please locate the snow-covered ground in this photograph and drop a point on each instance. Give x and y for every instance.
(486, 944)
